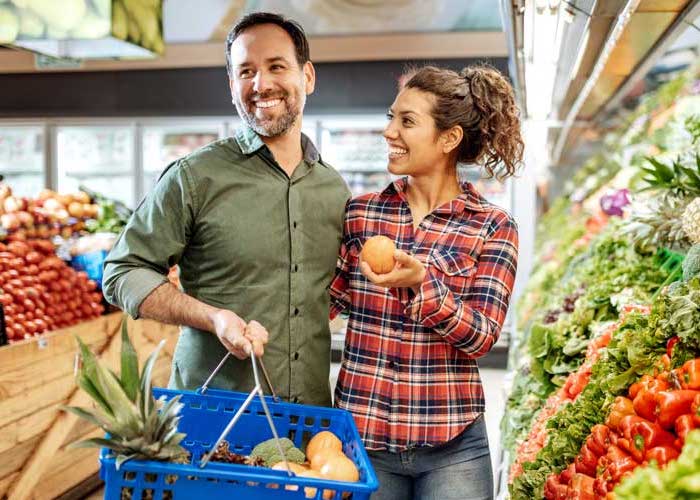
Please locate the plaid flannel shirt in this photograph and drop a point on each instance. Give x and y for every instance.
(409, 374)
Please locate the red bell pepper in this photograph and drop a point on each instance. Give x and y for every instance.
(621, 406)
(672, 404)
(599, 440)
(691, 374)
(645, 404)
(627, 422)
(684, 424)
(600, 486)
(621, 467)
(642, 383)
(581, 487)
(670, 345)
(662, 455)
(647, 435)
(586, 461)
(566, 474)
(553, 489)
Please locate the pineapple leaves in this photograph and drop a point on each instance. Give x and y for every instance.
(678, 178)
(146, 395)
(129, 365)
(88, 373)
(137, 426)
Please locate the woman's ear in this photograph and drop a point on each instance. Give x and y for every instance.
(451, 138)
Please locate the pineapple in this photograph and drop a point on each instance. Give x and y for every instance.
(691, 221)
(657, 222)
(138, 426)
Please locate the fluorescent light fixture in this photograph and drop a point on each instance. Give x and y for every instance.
(85, 29)
(543, 26)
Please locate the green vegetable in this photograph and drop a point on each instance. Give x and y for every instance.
(268, 451)
(691, 264)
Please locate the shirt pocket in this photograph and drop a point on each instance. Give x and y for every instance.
(455, 270)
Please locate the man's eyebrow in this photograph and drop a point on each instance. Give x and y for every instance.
(269, 60)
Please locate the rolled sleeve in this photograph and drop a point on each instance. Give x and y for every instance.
(472, 323)
(152, 242)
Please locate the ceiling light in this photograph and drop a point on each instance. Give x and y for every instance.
(85, 29)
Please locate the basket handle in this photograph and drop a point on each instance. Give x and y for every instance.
(256, 390)
(205, 386)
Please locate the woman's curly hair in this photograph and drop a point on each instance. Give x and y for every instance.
(480, 100)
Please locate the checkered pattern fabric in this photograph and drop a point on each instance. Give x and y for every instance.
(409, 374)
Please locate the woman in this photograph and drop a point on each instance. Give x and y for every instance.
(409, 374)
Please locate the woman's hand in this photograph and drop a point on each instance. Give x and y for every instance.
(408, 272)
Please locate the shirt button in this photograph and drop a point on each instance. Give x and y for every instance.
(296, 311)
(294, 224)
(296, 267)
(390, 364)
(296, 355)
(295, 399)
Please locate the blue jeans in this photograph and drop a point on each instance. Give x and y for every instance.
(460, 469)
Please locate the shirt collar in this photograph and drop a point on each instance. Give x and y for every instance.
(250, 142)
(469, 199)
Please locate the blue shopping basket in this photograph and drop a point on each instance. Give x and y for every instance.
(205, 415)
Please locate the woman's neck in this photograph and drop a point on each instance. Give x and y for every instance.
(429, 192)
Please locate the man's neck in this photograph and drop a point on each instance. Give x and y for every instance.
(286, 149)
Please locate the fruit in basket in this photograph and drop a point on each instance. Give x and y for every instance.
(340, 468)
(323, 439)
(139, 427)
(310, 491)
(269, 452)
(691, 221)
(293, 466)
(319, 459)
(378, 252)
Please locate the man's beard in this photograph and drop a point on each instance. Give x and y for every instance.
(276, 126)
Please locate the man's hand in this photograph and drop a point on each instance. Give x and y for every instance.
(240, 339)
(408, 272)
(257, 334)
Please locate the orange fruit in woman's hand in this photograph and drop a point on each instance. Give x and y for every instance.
(378, 252)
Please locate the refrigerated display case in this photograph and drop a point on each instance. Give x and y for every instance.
(357, 149)
(163, 144)
(22, 158)
(100, 157)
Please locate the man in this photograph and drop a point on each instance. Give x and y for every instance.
(254, 222)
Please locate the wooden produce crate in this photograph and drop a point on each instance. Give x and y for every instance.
(36, 378)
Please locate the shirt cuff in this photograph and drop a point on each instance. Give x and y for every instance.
(135, 285)
(432, 304)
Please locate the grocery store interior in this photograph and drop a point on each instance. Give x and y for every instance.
(592, 389)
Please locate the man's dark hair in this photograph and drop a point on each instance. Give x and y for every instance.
(294, 29)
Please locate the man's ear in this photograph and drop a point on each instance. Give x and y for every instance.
(451, 138)
(309, 77)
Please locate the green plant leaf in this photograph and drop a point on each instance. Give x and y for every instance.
(146, 392)
(129, 364)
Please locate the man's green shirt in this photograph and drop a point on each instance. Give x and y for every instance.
(247, 238)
